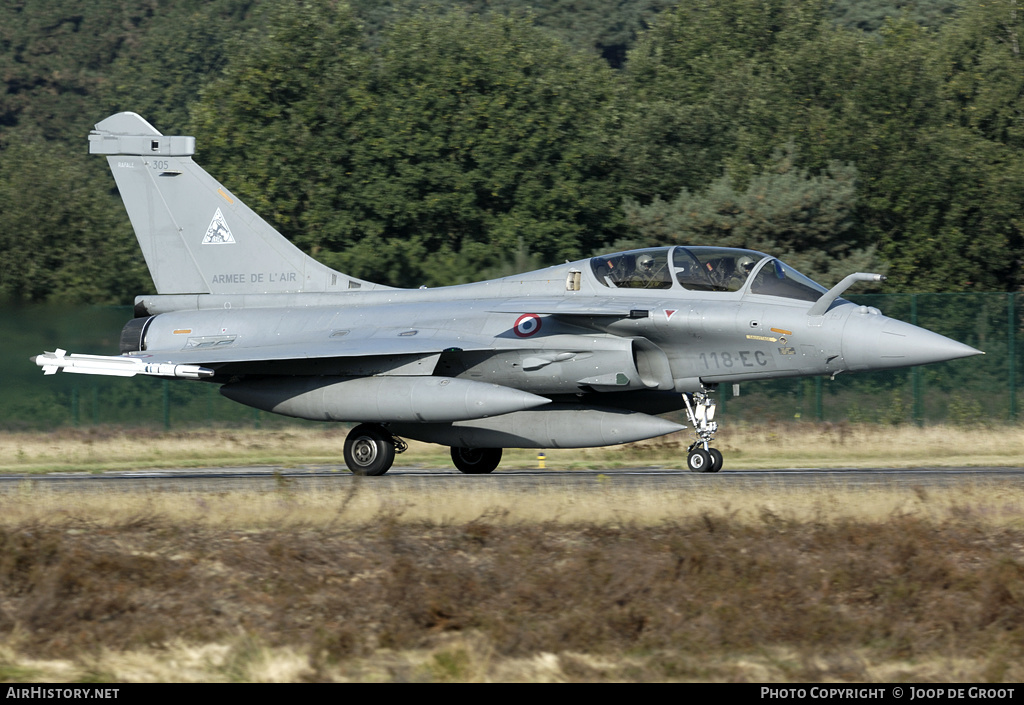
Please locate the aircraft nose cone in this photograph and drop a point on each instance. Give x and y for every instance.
(879, 343)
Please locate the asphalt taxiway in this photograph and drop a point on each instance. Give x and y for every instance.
(327, 477)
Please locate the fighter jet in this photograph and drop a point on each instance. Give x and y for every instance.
(581, 354)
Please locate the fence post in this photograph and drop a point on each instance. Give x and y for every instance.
(167, 405)
(818, 411)
(915, 372)
(1011, 352)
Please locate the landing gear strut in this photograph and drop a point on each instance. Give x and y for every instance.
(370, 449)
(700, 407)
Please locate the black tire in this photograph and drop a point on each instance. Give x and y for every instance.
(369, 450)
(716, 459)
(476, 461)
(699, 460)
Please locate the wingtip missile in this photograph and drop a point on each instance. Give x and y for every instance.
(115, 366)
(48, 361)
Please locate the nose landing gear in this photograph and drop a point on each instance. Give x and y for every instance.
(700, 457)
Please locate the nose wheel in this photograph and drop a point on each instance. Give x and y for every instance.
(704, 460)
(698, 460)
(700, 456)
(716, 459)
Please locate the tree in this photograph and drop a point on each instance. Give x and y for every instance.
(930, 120)
(63, 236)
(465, 140)
(870, 15)
(802, 218)
(607, 27)
(159, 74)
(980, 58)
(723, 84)
(937, 196)
(54, 55)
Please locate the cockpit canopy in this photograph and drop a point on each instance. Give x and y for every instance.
(716, 269)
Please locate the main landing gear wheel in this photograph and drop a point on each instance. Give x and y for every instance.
(699, 460)
(369, 450)
(476, 461)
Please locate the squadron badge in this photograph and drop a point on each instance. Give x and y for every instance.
(218, 233)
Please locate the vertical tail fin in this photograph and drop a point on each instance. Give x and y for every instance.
(196, 236)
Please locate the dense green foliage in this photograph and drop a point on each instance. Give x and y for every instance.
(420, 164)
(870, 15)
(802, 218)
(434, 143)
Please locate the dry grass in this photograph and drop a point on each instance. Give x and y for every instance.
(609, 500)
(534, 585)
(441, 581)
(770, 446)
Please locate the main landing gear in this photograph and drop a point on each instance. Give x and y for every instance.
(370, 450)
(700, 457)
(476, 461)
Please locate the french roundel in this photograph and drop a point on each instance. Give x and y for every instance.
(526, 325)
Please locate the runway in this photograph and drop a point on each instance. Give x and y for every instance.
(337, 476)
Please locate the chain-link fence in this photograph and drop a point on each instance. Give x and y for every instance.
(962, 392)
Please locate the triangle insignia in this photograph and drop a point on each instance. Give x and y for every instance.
(218, 233)
(669, 312)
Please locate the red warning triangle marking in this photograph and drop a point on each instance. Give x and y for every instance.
(669, 312)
